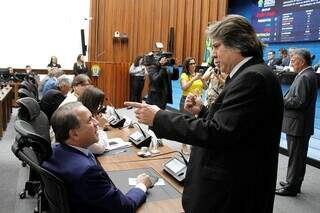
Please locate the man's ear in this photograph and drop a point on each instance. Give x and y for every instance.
(73, 133)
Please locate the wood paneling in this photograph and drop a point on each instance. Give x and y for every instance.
(145, 22)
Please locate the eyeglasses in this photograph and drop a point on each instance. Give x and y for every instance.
(192, 63)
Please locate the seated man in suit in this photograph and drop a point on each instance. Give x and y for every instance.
(272, 60)
(54, 97)
(89, 186)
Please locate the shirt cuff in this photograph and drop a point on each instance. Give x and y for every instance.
(142, 187)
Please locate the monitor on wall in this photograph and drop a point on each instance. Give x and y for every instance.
(287, 20)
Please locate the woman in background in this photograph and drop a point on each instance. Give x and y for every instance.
(80, 67)
(137, 72)
(53, 62)
(215, 80)
(93, 98)
(190, 82)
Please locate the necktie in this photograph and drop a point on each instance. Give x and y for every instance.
(227, 81)
(91, 156)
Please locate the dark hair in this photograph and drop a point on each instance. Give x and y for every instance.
(304, 54)
(283, 51)
(80, 79)
(52, 58)
(137, 60)
(92, 98)
(234, 31)
(272, 51)
(186, 65)
(65, 119)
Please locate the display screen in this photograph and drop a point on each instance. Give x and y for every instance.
(175, 165)
(287, 20)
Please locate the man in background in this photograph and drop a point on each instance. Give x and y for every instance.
(272, 60)
(298, 122)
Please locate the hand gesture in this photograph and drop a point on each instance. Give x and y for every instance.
(193, 103)
(145, 179)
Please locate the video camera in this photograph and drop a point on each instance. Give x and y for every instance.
(154, 58)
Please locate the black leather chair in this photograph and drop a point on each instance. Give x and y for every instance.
(23, 92)
(33, 149)
(29, 111)
(31, 87)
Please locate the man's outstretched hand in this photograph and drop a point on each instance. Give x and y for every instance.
(145, 113)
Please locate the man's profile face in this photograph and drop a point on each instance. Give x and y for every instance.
(297, 63)
(224, 56)
(87, 132)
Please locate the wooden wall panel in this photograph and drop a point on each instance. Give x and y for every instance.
(145, 22)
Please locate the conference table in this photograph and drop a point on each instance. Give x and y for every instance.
(120, 161)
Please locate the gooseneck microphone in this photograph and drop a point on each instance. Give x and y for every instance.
(140, 138)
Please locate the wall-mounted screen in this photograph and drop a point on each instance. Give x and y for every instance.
(287, 20)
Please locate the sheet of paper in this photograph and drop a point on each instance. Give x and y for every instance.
(133, 182)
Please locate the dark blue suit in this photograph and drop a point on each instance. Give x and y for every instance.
(89, 186)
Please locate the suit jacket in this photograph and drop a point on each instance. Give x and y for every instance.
(160, 88)
(233, 162)
(272, 64)
(51, 101)
(300, 104)
(89, 186)
(79, 69)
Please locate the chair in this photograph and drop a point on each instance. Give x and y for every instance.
(29, 85)
(29, 111)
(33, 149)
(23, 92)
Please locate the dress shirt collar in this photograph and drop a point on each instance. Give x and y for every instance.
(237, 67)
(83, 150)
(303, 70)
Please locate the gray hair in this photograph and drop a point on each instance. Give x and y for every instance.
(64, 80)
(235, 32)
(65, 119)
(304, 54)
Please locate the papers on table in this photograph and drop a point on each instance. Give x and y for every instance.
(112, 143)
(133, 182)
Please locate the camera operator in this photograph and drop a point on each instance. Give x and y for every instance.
(160, 75)
(215, 79)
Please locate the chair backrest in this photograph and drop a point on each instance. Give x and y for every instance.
(28, 84)
(23, 92)
(29, 111)
(31, 148)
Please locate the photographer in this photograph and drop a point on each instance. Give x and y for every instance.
(215, 79)
(160, 76)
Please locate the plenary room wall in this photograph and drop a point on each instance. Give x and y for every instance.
(243, 8)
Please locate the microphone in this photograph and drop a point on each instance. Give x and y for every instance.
(118, 121)
(140, 138)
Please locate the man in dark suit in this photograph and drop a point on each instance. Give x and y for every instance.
(89, 187)
(298, 122)
(54, 97)
(160, 88)
(272, 60)
(233, 162)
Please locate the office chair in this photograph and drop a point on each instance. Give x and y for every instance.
(22, 93)
(30, 85)
(33, 149)
(29, 111)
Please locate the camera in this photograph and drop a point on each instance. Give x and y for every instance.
(154, 59)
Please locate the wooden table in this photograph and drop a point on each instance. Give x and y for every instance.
(5, 108)
(133, 161)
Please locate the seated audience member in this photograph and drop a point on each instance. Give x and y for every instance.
(53, 62)
(79, 83)
(52, 80)
(54, 97)
(285, 59)
(93, 99)
(12, 74)
(89, 187)
(80, 67)
(272, 60)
